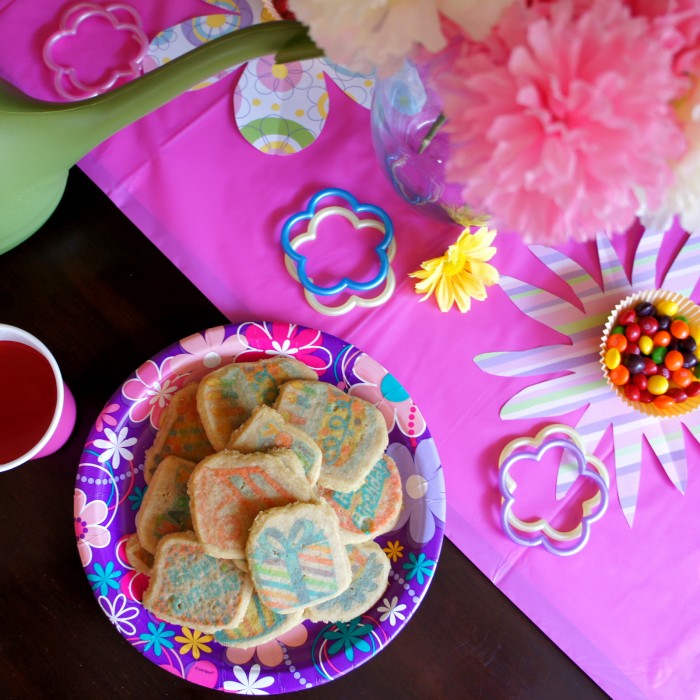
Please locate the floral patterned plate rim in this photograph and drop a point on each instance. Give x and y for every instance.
(110, 485)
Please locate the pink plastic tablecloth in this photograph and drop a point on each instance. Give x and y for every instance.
(624, 608)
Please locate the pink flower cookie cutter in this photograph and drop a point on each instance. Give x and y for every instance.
(538, 532)
(295, 262)
(122, 17)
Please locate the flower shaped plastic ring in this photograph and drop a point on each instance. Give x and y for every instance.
(539, 532)
(385, 250)
(122, 18)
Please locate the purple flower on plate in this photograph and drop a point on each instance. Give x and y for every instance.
(423, 489)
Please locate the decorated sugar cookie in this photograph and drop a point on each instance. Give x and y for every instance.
(351, 432)
(181, 432)
(190, 588)
(372, 509)
(259, 625)
(229, 489)
(370, 575)
(266, 429)
(165, 507)
(226, 397)
(296, 558)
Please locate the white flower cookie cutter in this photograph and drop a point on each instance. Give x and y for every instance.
(295, 262)
(539, 532)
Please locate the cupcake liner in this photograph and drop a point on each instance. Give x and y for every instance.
(686, 308)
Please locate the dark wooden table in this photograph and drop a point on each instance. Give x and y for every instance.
(104, 299)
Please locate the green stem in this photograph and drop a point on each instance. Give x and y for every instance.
(428, 138)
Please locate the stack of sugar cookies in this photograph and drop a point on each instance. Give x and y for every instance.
(266, 490)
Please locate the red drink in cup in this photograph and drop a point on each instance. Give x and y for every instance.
(37, 412)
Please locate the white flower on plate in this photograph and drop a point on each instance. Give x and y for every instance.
(115, 447)
(392, 610)
(248, 685)
(118, 613)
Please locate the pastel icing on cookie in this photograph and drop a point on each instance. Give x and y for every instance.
(190, 588)
(290, 460)
(296, 558)
(371, 510)
(370, 576)
(181, 432)
(266, 429)
(165, 507)
(137, 556)
(228, 489)
(351, 432)
(259, 625)
(227, 396)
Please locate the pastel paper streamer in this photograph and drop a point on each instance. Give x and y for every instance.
(682, 276)
(583, 384)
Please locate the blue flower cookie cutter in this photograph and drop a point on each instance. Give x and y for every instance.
(539, 532)
(385, 250)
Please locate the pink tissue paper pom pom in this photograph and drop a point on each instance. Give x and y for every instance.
(561, 119)
(676, 24)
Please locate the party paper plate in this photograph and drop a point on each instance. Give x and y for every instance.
(110, 485)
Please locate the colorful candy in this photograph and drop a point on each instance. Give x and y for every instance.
(619, 341)
(662, 339)
(640, 381)
(620, 375)
(653, 354)
(657, 385)
(612, 358)
(673, 360)
(649, 325)
(667, 308)
(663, 402)
(683, 377)
(633, 331)
(635, 364)
(693, 389)
(646, 345)
(627, 317)
(679, 329)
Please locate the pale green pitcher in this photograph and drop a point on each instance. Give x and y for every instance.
(40, 141)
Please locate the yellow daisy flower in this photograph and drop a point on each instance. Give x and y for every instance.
(394, 550)
(462, 273)
(194, 641)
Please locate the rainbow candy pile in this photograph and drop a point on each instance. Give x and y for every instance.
(652, 355)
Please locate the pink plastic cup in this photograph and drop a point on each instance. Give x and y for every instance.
(63, 418)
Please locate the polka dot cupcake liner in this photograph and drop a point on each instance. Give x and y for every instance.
(686, 308)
